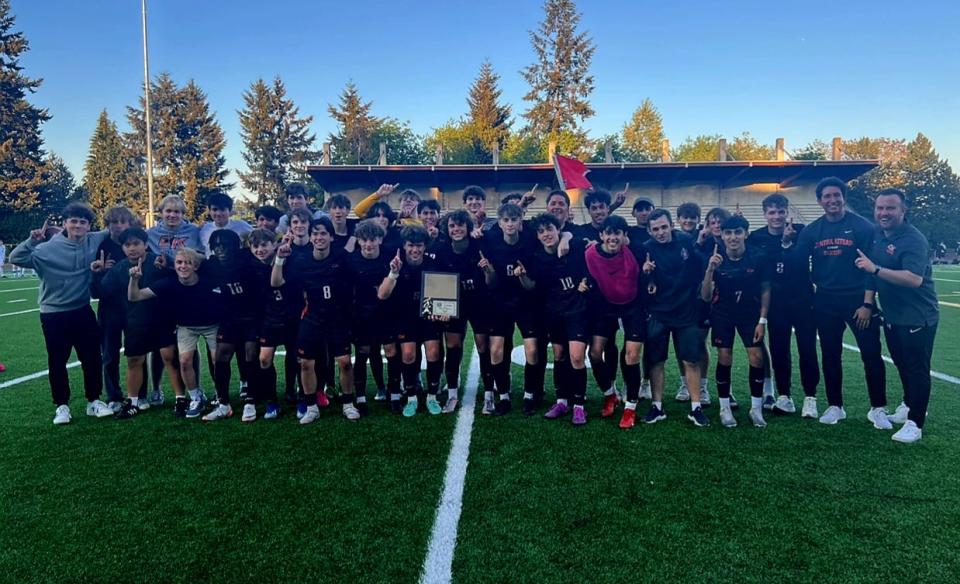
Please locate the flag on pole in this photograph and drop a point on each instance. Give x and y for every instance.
(571, 173)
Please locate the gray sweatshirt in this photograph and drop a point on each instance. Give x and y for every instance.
(166, 241)
(64, 269)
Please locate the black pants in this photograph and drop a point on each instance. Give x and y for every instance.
(830, 327)
(111, 339)
(788, 318)
(63, 332)
(911, 348)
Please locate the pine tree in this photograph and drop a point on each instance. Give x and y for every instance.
(459, 144)
(352, 143)
(643, 135)
(106, 172)
(276, 139)
(932, 190)
(746, 147)
(23, 172)
(560, 79)
(488, 118)
(60, 187)
(697, 149)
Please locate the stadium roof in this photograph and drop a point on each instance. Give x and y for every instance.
(785, 173)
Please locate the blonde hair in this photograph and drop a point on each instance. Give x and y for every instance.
(174, 200)
(191, 255)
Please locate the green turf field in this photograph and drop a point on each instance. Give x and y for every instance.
(159, 499)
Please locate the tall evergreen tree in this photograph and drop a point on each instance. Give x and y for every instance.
(489, 119)
(277, 141)
(458, 141)
(643, 134)
(22, 168)
(932, 189)
(60, 187)
(352, 142)
(560, 79)
(106, 172)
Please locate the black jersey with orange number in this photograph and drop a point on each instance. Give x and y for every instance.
(738, 284)
(559, 278)
(326, 285)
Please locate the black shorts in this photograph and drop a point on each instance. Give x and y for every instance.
(238, 331)
(633, 320)
(369, 330)
(570, 326)
(703, 310)
(318, 340)
(688, 342)
(527, 317)
(476, 313)
(138, 341)
(413, 330)
(273, 334)
(726, 326)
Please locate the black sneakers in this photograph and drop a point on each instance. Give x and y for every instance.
(127, 410)
(180, 407)
(698, 418)
(503, 406)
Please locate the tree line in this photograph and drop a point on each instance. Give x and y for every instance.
(188, 141)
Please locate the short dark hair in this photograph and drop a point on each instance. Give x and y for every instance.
(79, 210)
(268, 211)
(891, 192)
(460, 217)
(544, 219)
(225, 237)
(735, 222)
(222, 200)
(613, 223)
(474, 191)
(117, 214)
(643, 202)
(561, 194)
(718, 212)
(510, 210)
(382, 208)
(295, 190)
(428, 204)
(658, 213)
(511, 197)
(133, 233)
(831, 181)
(368, 230)
(258, 236)
(325, 222)
(339, 201)
(303, 214)
(775, 200)
(597, 196)
(409, 193)
(688, 210)
(414, 234)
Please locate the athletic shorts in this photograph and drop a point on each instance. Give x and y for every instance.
(569, 326)
(189, 336)
(413, 330)
(703, 310)
(368, 330)
(725, 327)
(138, 341)
(633, 320)
(688, 342)
(526, 316)
(273, 334)
(238, 331)
(317, 341)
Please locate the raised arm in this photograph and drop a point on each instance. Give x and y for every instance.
(390, 282)
(134, 292)
(706, 287)
(363, 207)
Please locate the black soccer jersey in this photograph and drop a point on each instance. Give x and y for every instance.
(503, 256)
(404, 301)
(788, 280)
(559, 278)
(472, 280)
(143, 314)
(367, 275)
(239, 286)
(738, 285)
(325, 283)
(674, 286)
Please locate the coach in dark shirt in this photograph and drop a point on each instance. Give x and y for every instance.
(899, 263)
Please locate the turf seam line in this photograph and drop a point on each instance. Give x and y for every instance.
(934, 374)
(438, 564)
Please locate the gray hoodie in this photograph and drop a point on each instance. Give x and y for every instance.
(64, 269)
(166, 241)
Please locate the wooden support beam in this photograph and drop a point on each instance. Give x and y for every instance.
(837, 150)
(665, 151)
(383, 154)
(327, 159)
(781, 155)
(723, 150)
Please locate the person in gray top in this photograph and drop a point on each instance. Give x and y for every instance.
(64, 266)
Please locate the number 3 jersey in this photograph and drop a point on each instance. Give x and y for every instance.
(738, 285)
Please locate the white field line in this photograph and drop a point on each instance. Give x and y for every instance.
(934, 374)
(15, 301)
(19, 312)
(34, 288)
(32, 376)
(438, 564)
(946, 280)
(950, 304)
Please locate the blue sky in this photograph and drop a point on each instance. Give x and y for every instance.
(798, 70)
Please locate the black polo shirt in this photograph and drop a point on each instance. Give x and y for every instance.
(905, 249)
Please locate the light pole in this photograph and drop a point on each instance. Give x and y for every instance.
(146, 93)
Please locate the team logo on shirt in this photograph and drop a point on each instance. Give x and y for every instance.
(684, 254)
(891, 249)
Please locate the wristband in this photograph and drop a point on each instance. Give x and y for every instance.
(394, 275)
(876, 271)
(763, 320)
(868, 305)
(279, 261)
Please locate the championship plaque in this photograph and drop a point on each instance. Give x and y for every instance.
(440, 292)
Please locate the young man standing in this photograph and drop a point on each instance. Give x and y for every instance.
(220, 208)
(273, 326)
(642, 208)
(842, 298)
(268, 217)
(475, 203)
(899, 262)
(297, 199)
(68, 322)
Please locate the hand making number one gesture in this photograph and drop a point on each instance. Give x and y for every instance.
(396, 263)
(716, 259)
(648, 265)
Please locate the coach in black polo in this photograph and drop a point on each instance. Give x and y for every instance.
(899, 261)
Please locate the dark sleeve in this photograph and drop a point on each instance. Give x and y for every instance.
(916, 258)
(113, 284)
(162, 288)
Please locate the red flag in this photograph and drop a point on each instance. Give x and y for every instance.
(571, 173)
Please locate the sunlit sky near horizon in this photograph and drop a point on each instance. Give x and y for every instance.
(800, 71)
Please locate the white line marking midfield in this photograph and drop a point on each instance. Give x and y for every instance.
(934, 374)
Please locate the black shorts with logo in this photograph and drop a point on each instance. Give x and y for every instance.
(725, 327)
(318, 340)
(526, 316)
(238, 331)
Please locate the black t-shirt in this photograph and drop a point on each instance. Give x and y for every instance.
(503, 256)
(367, 275)
(404, 301)
(340, 241)
(238, 283)
(638, 235)
(905, 249)
(674, 285)
(112, 251)
(143, 314)
(558, 278)
(199, 305)
(586, 232)
(833, 247)
(326, 284)
(472, 280)
(738, 285)
(788, 280)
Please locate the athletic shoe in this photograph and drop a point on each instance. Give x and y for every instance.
(363, 408)
(381, 395)
(899, 416)
(242, 395)
(273, 411)
(503, 407)
(557, 410)
(310, 415)
(433, 407)
(833, 415)
(221, 412)
(127, 410)
(62, 415)
(727, 419)
(196, 406)
(301, 410)
(699, 418)
(879, 418)
(249, 413)
(768, 402)
(143, 405)
(156, 398)
(396, 406)
(529, 407)
(410, 410)
(908, 434)
(654, 415)
(609, 405)
(579, 416)
(683, 394)
(98, 409)
(488, 408)
(756, 417)
(784, 406)
(350, 412)
(628, 419)
(115, 406)
(810, 407)
(180, 407)
(734, 404)
(645, 391)
(213, 402)
(451, 405)
(705, 397)
(322, 399)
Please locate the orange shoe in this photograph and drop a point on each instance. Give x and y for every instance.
(609, 404)
(627, 421)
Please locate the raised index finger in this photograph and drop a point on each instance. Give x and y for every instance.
(716, 248)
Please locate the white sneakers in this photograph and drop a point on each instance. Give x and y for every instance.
(221, 412)
(683, 393)
(488, 407)
(249, 413)
(115, 406)
(351, 412)
(810, 408)
(879, 418)
(833, 415)
(784, 405)
(311, 415)
(727, 419)
(756, 417)
(645, 391)
(908, 434)
(98, 409)
(704, 395)
(899, 416)
(62, 415)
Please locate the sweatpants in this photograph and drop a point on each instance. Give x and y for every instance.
(911, 348)
(786, 319)
(830, 327)
(67, 331)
